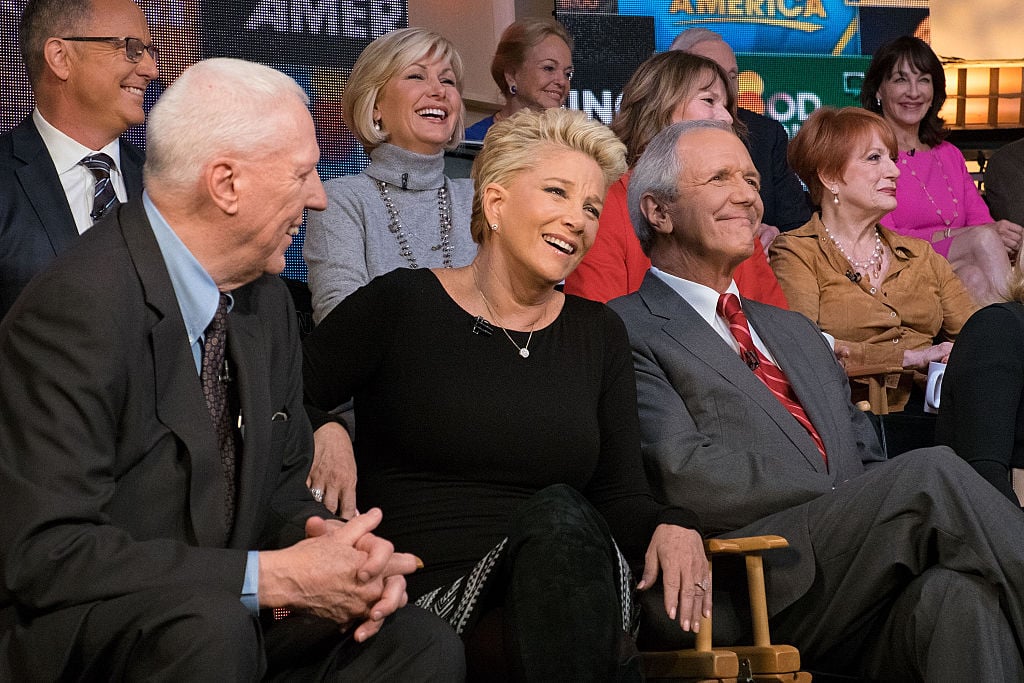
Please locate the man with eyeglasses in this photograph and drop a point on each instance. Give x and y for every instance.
(64, 167)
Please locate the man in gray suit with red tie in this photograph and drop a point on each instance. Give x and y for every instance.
(909, 569)
(89, 62)
(153, 445)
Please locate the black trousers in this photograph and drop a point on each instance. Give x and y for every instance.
(196, 635)
(556, 608)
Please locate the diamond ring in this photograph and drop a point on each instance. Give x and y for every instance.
(704, 585)
(318, 495)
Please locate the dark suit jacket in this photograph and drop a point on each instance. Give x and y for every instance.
(110, 470)
(1004, 182)
(718, 441)
(785, 202)
(35, 220)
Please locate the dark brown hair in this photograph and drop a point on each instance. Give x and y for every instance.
(916, 53)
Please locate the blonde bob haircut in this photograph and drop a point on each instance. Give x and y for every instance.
(654, 91)
(522, 143)
(829, 139)
(384, 59)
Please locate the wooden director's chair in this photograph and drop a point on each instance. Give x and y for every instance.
(761, 662)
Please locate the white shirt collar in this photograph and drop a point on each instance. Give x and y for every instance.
(703, 299)
(67, 152)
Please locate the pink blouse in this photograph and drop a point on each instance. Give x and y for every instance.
(935, 191)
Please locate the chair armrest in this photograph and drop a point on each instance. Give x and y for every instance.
(741, 546)
(878, 399)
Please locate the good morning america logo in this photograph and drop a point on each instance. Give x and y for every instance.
(767, 26)
(797, 14)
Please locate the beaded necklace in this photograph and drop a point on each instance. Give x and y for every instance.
(444, 209)
(924, 186)
(872, 266)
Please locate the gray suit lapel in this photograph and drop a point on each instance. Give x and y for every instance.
(685, 326)
(807, 379)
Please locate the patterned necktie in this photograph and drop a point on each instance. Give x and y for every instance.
(215, 379)
(103, 196)
(769, 373)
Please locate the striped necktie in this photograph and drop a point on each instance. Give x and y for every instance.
(769, 373)
(103, 196)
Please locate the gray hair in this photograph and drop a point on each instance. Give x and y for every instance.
(657, 174)
(45, 19)
(216, 106)
(691, 36)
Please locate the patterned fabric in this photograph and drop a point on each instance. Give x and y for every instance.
(103, 198)
(769, 373)
(458, 602)
(215, 379)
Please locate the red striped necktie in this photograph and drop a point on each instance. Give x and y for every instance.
(769, 373)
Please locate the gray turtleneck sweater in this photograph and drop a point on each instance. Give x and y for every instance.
(349, 244)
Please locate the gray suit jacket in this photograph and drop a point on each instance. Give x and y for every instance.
(35, 220)
(111, 474)
(714, 437)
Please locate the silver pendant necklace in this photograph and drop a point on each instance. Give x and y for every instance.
(524, 351)
(444, 210)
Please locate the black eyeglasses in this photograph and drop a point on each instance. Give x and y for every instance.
(133, 47)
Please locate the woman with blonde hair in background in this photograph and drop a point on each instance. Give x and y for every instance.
(403, 102)
(532, 68)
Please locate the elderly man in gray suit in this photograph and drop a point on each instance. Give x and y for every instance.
(911, 569)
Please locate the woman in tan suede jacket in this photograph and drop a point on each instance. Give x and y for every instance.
(885, 298)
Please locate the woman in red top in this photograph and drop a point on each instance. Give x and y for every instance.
(667, 88)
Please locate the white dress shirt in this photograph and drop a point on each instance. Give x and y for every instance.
(704, 300)
(77, 181)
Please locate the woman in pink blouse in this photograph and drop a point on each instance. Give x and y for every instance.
(936, 199)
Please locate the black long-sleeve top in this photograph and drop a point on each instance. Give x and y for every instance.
(454, 429)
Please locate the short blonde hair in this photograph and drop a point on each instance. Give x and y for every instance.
(384, 59)
(656, 88)
(827, 141)
(516, 40)
(1015, 283)
(518, 143)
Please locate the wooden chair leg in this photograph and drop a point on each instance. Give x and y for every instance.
(762, 661)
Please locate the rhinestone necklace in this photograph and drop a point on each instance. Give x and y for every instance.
(873, 264)
(924, 186)
(524, 350)
(444, 210)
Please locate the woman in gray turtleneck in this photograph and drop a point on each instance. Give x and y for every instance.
(403, 102)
